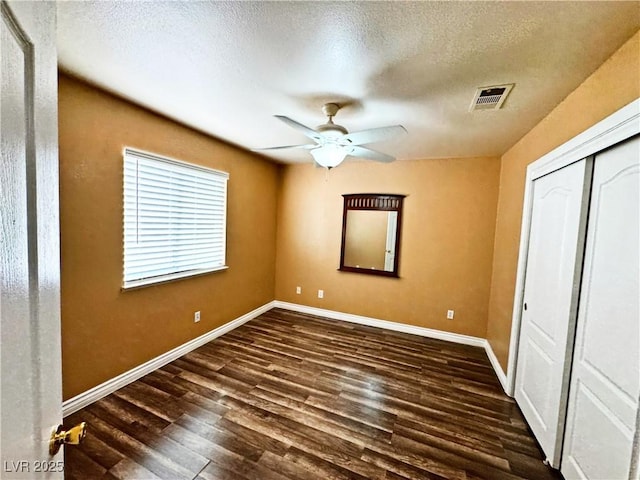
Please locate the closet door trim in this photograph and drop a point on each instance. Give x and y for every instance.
(616, 128)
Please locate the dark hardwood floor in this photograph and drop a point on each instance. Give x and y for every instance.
(294, 396)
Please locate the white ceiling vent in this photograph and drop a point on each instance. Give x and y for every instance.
(490, 98)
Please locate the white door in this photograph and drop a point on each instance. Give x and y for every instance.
(29, 247)
(605, 377)
(550, 301)
(390, 246)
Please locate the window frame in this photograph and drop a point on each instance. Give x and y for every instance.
(129, 153)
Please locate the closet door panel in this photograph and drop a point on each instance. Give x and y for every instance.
(605, 378)
(550, 301)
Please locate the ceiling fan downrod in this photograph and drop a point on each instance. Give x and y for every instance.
(330, 110)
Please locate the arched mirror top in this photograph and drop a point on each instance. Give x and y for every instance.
(373, 201)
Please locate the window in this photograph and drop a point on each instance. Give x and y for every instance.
(174, 219)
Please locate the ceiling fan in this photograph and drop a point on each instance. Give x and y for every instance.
(333, 142)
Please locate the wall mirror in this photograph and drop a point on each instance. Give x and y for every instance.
(371, 233)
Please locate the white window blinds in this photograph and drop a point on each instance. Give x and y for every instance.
(174, 219)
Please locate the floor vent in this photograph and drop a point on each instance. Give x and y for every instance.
(490, 98)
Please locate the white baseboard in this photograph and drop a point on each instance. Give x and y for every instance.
(401, 327)
(96, 393)
(374, 322)
(496, 366)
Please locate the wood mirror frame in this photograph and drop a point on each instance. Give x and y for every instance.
(371, 233)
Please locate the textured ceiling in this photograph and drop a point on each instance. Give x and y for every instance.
(226, 68)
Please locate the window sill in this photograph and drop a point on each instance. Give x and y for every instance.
(172, 277)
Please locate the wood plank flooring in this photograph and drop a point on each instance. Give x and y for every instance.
(300, 397)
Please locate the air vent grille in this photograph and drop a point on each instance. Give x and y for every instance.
(490, 98)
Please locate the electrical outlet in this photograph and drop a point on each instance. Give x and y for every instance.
(298, 290)
(450, 314)
(196, 317)
(320, 293)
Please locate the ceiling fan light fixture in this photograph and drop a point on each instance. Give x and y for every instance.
(329, 156)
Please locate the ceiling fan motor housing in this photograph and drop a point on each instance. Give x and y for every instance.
(331, 129)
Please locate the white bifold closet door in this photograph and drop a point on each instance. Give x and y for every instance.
(605, 376)
(550, 301)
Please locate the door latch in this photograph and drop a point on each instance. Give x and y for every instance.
(72, 436)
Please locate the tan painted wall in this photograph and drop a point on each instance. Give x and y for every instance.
(446, 247)
(105, 331)
(615, 84)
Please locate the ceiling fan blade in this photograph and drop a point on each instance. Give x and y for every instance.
(306, 146)
(370, 154)
(373, 135)
(309, 132)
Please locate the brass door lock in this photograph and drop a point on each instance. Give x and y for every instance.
(66, 437)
